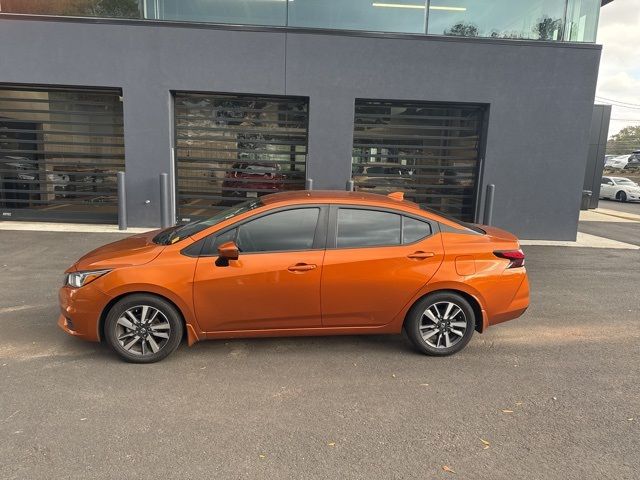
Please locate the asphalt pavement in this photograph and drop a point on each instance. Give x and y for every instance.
(553, 395)
(627, 207)
(627, 232)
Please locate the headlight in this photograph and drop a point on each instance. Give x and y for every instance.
(78, 279)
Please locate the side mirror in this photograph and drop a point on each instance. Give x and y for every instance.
(228, 251)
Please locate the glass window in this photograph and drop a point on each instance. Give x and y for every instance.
(287, 230)
(175, 234)
(79, 8)
(381, 16)
(428, 150)
(520, 19)
(365, 228)
(414, 230)
(233, 147)
(245, 12)
(582, 20)
(60, 151)
(228, 236)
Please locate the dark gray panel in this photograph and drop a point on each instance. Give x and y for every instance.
(540, 97)
(597, 147)
(147, 62)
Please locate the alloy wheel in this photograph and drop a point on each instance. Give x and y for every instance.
(143, 330)
(443, 324)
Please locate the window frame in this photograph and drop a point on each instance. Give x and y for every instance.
(319, 238)
(332, 230)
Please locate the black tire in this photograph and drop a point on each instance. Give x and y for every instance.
(418, 322)
(621, 196)
(137, 353)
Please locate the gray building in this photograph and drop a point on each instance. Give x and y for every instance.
(238, 98)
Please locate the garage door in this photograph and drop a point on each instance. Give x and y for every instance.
(60, 150)
(429, 151)
(230, 148)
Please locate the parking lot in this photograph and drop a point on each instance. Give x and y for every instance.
(627, 207)
(554, 394)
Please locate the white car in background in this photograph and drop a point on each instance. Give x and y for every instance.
(619, 188)
(620, 162)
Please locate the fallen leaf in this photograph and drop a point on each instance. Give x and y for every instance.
(485, 443)
(507, 411)
(262, 456)
(448, 469)
(393, 375)
(519, 403)
(332, 444)
(630, 419)
(424, 384)
(83, 419)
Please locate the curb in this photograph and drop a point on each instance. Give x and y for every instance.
(617, 214)
(69, 228)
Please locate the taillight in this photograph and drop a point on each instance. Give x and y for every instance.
(515, 257)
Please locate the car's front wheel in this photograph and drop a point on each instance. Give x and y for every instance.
(621, 196)
(440, 324)
(143, 328)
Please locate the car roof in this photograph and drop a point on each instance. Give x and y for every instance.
(338, 196)
(618, 178)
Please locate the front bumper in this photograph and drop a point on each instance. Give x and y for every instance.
(80, 310)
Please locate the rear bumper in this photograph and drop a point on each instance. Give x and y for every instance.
(80, 310)
(517, 307)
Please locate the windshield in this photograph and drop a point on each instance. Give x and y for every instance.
(180, 232)
(470, 226)
(625, 181)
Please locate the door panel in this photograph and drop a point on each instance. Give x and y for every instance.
(369, 286)
(259, 291)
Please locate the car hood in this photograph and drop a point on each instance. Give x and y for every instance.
(134, 250)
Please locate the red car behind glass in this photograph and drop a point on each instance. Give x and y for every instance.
(250, 180)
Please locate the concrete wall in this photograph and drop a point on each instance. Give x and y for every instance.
(540, 97)
(597, 148)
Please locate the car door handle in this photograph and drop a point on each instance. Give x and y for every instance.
(421, 255)
(302, 267)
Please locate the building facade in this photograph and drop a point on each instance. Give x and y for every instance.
(235, 99)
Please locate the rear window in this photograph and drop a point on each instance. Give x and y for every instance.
(468, 226)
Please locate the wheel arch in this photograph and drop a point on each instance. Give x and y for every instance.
(480, 314)
(192, 336)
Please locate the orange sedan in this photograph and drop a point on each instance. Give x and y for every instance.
(298, 263)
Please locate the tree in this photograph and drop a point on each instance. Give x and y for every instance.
(463, 30)
(114, 8)
(546, 28)
(625, 141)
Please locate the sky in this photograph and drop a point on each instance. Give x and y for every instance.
(619, 77)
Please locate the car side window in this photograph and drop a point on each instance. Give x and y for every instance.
(367, 228)
(228, 236)
(604, 181)
(281, 231)
(414, 230)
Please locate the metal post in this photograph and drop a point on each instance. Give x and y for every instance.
(350, 186)
(308, 184)
(122, 202)
(488, 204)
(165, 220)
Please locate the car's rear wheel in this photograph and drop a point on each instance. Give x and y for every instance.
(440, 324)
(621, 196)
(143, 328)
